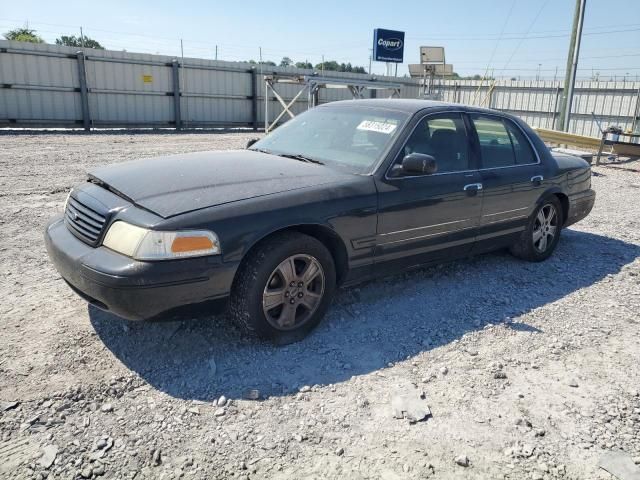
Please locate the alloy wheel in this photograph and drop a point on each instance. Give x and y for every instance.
(293, 292)
(545, 228)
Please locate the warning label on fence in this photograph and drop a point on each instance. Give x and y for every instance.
(147, 78)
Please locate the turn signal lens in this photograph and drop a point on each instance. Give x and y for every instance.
(144, 244)
(190, 244)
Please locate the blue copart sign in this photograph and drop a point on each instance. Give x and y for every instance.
(388, 45)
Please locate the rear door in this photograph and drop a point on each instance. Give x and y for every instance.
(424, 218)
(511, 175)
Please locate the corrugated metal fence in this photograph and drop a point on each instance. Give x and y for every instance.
(53, 86)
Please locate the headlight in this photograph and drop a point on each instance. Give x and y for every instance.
(143, 244)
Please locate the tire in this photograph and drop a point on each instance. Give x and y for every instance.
(539, 240)
(265, 303)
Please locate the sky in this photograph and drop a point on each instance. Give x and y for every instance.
(506, 38)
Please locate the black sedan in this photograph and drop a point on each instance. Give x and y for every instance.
(342, 193)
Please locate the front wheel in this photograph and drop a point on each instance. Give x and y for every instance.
(538, 241)
(283, 287)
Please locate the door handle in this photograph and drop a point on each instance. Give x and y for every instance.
(473, 187)
(537, 179)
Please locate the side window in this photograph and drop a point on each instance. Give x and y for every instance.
(495, 142)
(444, 137)
(521, 146)
(502, 144)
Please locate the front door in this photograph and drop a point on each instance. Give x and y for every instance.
(424, 218)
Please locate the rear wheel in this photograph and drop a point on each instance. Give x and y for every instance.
(540, 238)
(283, 287)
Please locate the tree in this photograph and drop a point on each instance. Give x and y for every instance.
(286, 62)
(268, 63)
(307, 65)
(333, 66)
(73, 41)
(23, 35)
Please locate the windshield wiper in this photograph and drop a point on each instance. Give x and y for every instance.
(261, 150)
(300, 157)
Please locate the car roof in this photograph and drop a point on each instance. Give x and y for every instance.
(410, 105)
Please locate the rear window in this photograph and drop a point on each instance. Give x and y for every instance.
(502, 143)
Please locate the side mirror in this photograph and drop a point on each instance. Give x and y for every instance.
(419, 164)
(252, 141)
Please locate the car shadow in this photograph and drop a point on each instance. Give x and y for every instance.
(367, 328)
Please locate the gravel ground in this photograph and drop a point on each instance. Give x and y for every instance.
(529, 371)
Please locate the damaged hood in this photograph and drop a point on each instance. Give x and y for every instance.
(176, 184)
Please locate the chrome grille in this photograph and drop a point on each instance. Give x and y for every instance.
(84, 222)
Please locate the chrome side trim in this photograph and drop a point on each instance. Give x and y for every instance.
(422, 228)
(455, 230)
(502, 220)
(471, 185)
(506, 211)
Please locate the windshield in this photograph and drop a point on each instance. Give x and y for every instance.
(351, 138)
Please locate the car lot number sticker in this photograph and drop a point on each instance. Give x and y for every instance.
(373, 126)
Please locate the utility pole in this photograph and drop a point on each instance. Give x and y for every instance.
(81, 38)
(572, 65)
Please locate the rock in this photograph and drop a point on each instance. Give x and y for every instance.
(156, 457)
(462, 460)
(98, 470)
(194, 410)
(305, 389)
(4, 406)
(298, 437)
(86, 472)
(527, 450)
(500, 375)
(523, 422)
(107, 407)
(536, 475)
(222, 401)
(413, 407)
(340, 451)
(619, 464)
(540, 432)
(444, 370)
(219, 412)
(49, 454)
(573, 383)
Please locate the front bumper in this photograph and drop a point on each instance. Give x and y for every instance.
(580, 205)
(133, 289)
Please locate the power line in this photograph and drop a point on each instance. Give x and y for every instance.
(533, 22)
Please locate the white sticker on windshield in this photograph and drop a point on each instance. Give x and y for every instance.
(373, 126)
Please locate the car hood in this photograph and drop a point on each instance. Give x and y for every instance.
(176, 184)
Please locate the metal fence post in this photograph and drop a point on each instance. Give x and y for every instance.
(84, 91)
(175, 68)
(254, 98)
